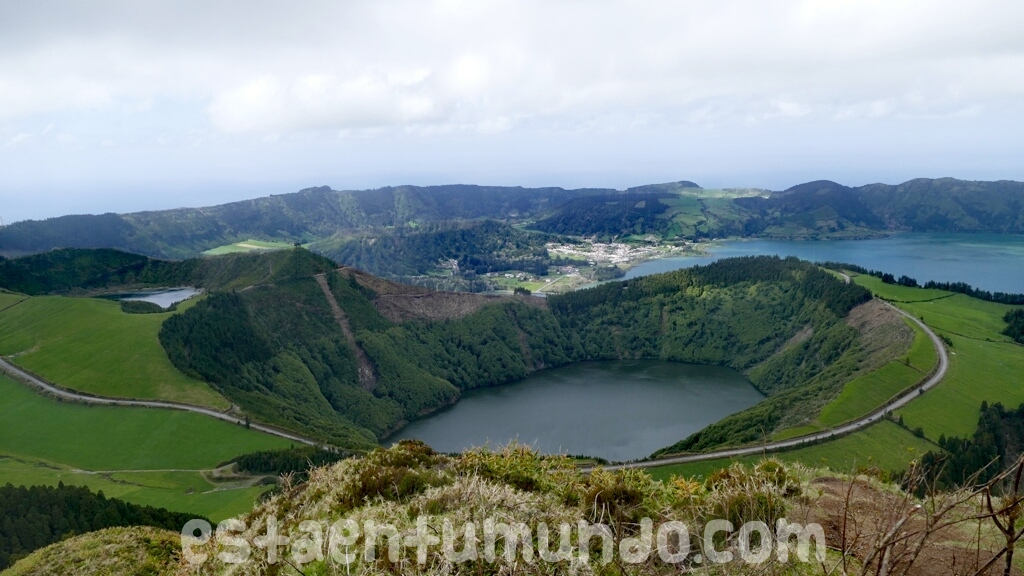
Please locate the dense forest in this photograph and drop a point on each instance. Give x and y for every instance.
(276, 351)
(296, 460)
(89, 272)
(72, 270)
(31, 518)
(609, 216)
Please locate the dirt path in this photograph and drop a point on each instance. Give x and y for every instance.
(367, 376)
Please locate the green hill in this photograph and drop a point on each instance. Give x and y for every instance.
(280, 351)
(813, 210)
(921, 205)
(313, 213)
(673, 210)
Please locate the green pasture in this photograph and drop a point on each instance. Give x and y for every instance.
(47, 441)
(8, 299)
(247, 246)
(178, 491)
(895, 292)
(117, 437)
(91, 345)
(979, 371)
(870, 391)
(985, 365)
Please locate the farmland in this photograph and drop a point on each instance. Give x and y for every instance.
(92, 346)
(146, 456)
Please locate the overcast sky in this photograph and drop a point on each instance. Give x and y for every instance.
(122, 106)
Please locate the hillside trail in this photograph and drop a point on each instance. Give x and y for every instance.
(367, 377)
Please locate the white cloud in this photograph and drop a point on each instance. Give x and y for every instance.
(543, 92)
(286, 68)
(18, 139)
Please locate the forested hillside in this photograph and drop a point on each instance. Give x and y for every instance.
(921, 205)
(310, 214)
(277, 351)
(678, 210)
(467, 249)
(83, 271)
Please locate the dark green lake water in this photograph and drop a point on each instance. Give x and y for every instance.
(617, 410)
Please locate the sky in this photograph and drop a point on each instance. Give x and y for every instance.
(126, 106)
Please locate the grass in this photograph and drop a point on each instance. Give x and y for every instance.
(870, 391)
(8, 299)
(91, 345)
(247, 246)
(985, 365)
(47, 441)
(884, 445)
(963, 316)
(895, 292)
(118, 437)
(979, 371)
(178, 491)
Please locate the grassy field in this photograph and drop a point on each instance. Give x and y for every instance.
(91, 345)
(896, 293)
(884, 445)
(46, 441)
(178, 491)
(247, 246)
(985, 365)
(8, 299)
(870, 391)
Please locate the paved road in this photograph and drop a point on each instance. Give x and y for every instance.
(853, 426)
(76, 397)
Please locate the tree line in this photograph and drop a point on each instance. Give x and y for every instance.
(31, 518)
(995, 444)
(904, 280)
(294, 460)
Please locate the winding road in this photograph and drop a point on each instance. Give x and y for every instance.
(898, 402)
(853, 426)
(66, 394)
